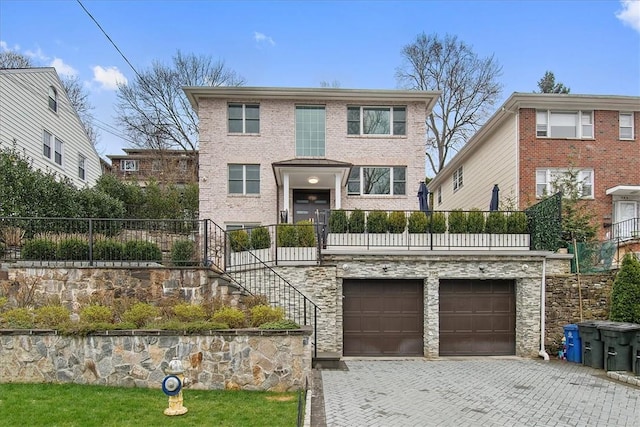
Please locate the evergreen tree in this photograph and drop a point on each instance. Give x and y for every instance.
(625, 295)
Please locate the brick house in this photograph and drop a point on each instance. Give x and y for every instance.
(165, 166)
(533, 138)
(270, 154)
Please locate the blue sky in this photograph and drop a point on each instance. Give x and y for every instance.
(591, 46)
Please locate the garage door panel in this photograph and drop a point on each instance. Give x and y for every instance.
(487, 328)
(387, 320)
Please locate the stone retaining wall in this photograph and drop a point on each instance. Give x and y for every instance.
(247, 360)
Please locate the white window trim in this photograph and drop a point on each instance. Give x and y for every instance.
(391, 121)
(82, 165)
(125, 165)
(458, 179)
(549, 172)
(620, 127)
(52, 99)
(391, 182)
(61, 152)
(244, 118)
(244, 180)
(579, 125)
(50, 145)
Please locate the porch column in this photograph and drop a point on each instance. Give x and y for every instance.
(338, 191)
(285, 202)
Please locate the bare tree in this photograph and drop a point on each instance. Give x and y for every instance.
(469, 89)
(11, 59)
(154, 110)
(547, 84)
(335, 84)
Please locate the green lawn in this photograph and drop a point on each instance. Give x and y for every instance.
(86, 405)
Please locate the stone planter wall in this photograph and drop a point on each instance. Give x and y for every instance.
(247, 360)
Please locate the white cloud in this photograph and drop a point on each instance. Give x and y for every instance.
(36, 54)
(109, 77)
(630, 13)
(62, 68)
(263, 38)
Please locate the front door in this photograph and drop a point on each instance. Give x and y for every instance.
(625, 221)
(307, 202)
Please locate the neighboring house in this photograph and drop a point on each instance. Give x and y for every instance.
(37, 118)
(533, 139)
(273, 154)
(165, 166)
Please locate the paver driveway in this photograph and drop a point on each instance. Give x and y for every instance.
(475, 392)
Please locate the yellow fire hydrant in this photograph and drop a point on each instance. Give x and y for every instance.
(172, 387)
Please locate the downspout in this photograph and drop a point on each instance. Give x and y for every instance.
(543, 297)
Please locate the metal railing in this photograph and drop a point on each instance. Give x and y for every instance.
(626, 230)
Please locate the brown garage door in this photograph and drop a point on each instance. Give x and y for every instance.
(383, 318)
(477, 317)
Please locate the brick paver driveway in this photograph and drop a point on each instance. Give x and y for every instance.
(475, 392)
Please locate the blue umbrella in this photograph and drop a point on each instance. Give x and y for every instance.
(423, 197)
(493, 206)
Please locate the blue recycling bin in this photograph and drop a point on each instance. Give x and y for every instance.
(573, 343)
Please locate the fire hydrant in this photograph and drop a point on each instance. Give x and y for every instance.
(172, 387)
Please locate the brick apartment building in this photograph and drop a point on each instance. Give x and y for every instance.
(137, 165)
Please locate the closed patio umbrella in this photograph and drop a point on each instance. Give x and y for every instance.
(493, 206)
(423, 197)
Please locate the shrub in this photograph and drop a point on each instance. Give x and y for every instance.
(517, 223)
(183, 252)
(73, 249)
(141, 314)
(625, 294)
(254, 300)
(356, 221)
(306, 233)
(496, 223)
(377, 222)
(457, 221)
(186, 312)
(287, 236)
(281, 324)
(230, 316)
(39, 250)
(260, 238)
(3, 302)
(475, 221)
(51, 316)
(18, 318)
(265, 313)
(140, 250)
(96, 314)
(338, 222)
(437, 222)
(108, 250)
(417, 222)
(239, 240)
(397, 222)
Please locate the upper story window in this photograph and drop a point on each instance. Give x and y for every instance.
(549, 181)
(244, 179)
(457, 179)
(376, 120)
(564, 124)
(53, 99)
(626, 125)
(82, 167)
(244, 118)
(47, 142)
(156, 165)
(58, 152)
(377, 180)
(128, 165)
(310, 131)
(182, 165)
(440, 195)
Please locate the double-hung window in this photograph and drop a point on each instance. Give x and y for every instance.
(550, 181)
(47, 140)
(128, 165)
(156, 165)
(377, 180)
(457, 179)
(626, 125)
(244, 118)
(376, 120)
(244, 179)
(82, 167)
(58, 152)
(53, 99)
(564, 124)
(310, 131)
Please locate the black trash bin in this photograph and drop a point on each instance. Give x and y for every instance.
(635, 354)
(592, 345)
(617, 337)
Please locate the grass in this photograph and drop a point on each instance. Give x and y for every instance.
(89, 405)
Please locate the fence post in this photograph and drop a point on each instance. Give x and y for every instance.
(205, 243)
(90, 242)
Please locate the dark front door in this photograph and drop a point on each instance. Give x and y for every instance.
(383, 317)
(477, 317)
(306, 202)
